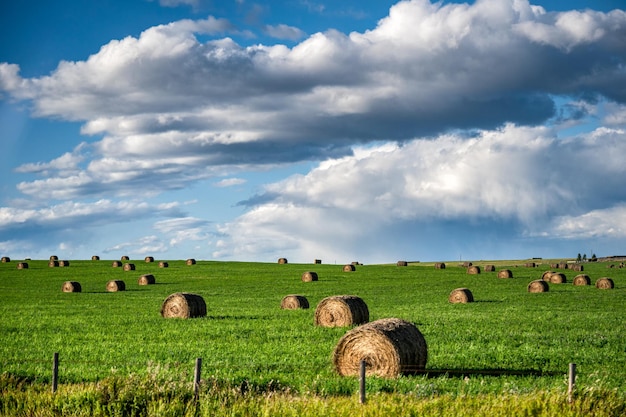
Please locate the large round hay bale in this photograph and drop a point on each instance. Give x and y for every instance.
(146, 279)
(163, 264)
(546, 275)
(149, 259)
(53, 263)
(190, 261)
(390, 347)
(309, 276)
(490, 268)
(54, 258)
(558, 278)
(64, 263)
(317, 261)
(129, 267)
(6, 259)
(402, 263)
(538, 286)
(22, 265)
(349, 268)
(124, 258)
(582, 279)
(294, 302)
(473, 270)
(505, 273)
(605, 283)
(461, 296)
(115, 285)
(71, 286)
(341, 310)
(183, 305)
(563, 265)
(95, 258)
(440, 265)
(282, 260)
(116, 264)
(578, 267)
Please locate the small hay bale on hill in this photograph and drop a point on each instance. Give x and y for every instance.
(53, 264)
(505, 273)
(149, 259)
(529, 265)
(390, 347)
(402, 263)
(317, 261)
(563, 265)
(95, 258)
(116, 264)
(341, 310)
(64, 263)
(71, 286)
(466, 264)
(349, 268)
(282, 261)
(129, 267)
(440, 265)
(538, 286)
(582, 279)
(490, 268)
(54, 258)
(294, 302)
(190, 261)
(22, 265)
(6, 259)
(554, 266)
(558, 278)
(578, 268)
(546, 275)
(125, 258)
(309, 276)
(146, 279)
(163, 264)
(461, 296)
(473, 270)
(115, 285)
(605, 283)
(183, 305)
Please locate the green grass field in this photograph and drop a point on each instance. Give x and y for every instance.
(249, 345)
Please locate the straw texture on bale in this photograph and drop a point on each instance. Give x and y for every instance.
(54, 258)
(163, 264)
(309, 276)
(341, 310)
(294, 302)
(490, 268)
(578, 267)
(563, 265)
(558, 278)
(505, 273)
(402, 263)
(5, 259)
(53, 264)
(129, 267)
(95, 258)
(191, 261)
(149, 259)
(349, 268)
(466, 264)
(582, 279)
(440, 265)
(64, 263)
(125, 258)
(605, 284)
(71, 286)
(461, 296)
(115, 285)
(318, 261)
(183, 305)
(473, 270)
(390, 347)
(116, 264)
(530, 265)
(22, 265)
(282, 260)
(538, 286)
(147, 279)
(546, 275)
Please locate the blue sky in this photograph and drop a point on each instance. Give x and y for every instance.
(371, 130)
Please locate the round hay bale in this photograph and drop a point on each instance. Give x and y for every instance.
(558, 278)
(129, 267)
(116, 264)
(125, 258)
(318, 261)
(341, 310)
(505, 273)
(605, 283)
(309, 276)
(461, 296)
(440, 265)
(390, 347)
(473, 270)
(71, 286)
(53, 264)
(183, 305)
(64, 263)
(163, 264)
(95, 258)
(22, 265)
(115, 285)
(355, 263)
(578, 267)
(546, 275)
(554, 266)
(538, 286)
(402, 263)
(54, 258)
(563, 265)
(530, 265)
(190, 261)
(466, 264)
(6, 259)
(147, 279)
(490, 268)
(282, 260)
(582, 279)
(294, 302)
(149, 259)
(349, 268)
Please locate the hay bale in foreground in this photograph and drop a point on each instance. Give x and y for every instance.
(95, 258)
(147, 279)
(163, 264)
(582, 279)
(461, 296)
(183, 305)
(546, 275)
(390, 347)
(53, 264)
(538, 286)
(490, 268)
(115, 285)
(309, 276)
(129, 267)
(341, 310)
(6, 259)
(22, 265)
(294, 302)
(71, 286)
(149, 259)
(440, 265)
(558, 278)
(605, 283)
(349, 268)
(505, 273)
(190, 261)
(402, 263)
(473, 270)
(64, 263)
(282, 261)
(116, 264)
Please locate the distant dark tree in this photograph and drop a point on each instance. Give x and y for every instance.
(584, 257)
(579, 258)
(593, 258)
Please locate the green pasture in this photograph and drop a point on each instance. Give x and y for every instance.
(248, 343)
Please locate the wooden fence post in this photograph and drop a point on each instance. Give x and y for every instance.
(571, 382)
(55, 372)
(196, 379)
(362, 382)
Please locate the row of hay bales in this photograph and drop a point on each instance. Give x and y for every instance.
(53, 263)
(284, 261)
(113, 285)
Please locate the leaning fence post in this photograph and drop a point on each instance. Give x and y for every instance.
(362, 382)
(571, 382)
(196, 379)
(55, 371)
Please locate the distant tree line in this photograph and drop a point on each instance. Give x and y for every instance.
(583, 258)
